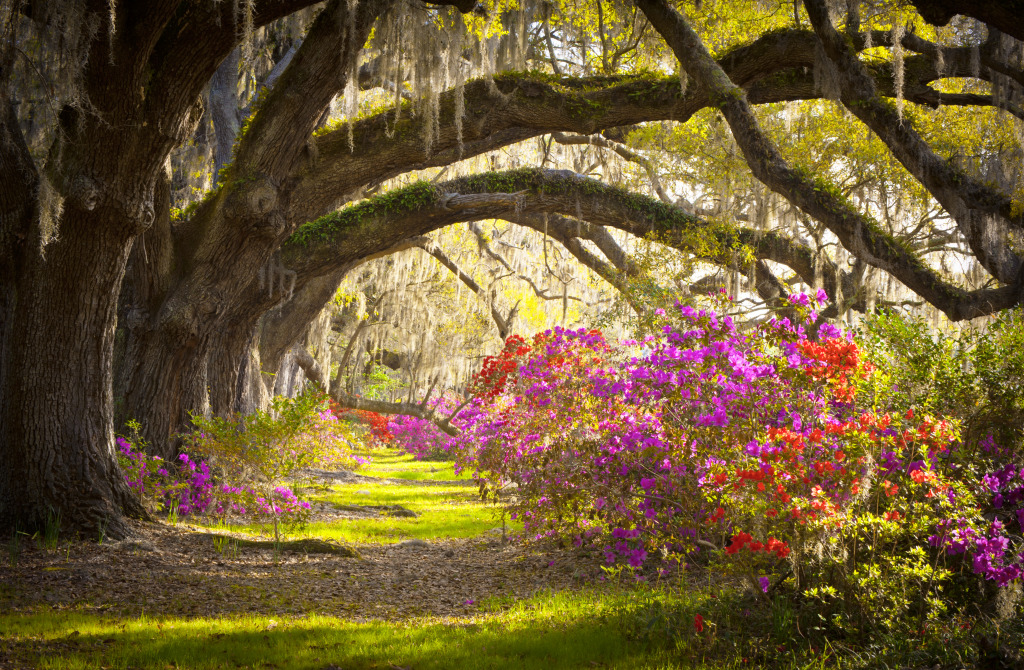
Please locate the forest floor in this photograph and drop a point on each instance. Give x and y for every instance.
(403, 546)
(402, 566)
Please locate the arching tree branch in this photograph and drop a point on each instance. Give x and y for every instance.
(524, 196)
(774, 68)
(983, 214)
(858, 233)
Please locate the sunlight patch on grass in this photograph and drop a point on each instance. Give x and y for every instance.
(407, 495)
(400, 465)
(560, 630)
(429, 525)
(442, 511)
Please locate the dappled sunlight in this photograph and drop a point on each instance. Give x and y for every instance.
(408, 334)
(562, 639)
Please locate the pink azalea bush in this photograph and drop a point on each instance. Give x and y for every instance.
(765, 445)
(420, 437)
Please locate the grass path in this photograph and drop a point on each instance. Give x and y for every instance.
(359, 587)
(402, 567)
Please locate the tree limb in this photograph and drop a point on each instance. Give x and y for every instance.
(320, 246)
(983, 214)
(857, 232)
(503, 323)
(402, 408)
(1002, 14)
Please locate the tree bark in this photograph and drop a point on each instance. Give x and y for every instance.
(1002, 14)
(57, 458)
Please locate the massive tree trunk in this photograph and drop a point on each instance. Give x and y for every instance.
(135, 99)
(57, 458)
(164, 381)
(59, 309)
(226, 365)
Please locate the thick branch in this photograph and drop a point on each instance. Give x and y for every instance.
(314, 372)
(190, 48)
(857, 232)
(983, 214)
(401, 408)
(523, 196)
(1002, 14)
(277, 134)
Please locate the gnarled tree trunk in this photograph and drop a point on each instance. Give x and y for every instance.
(57, 458)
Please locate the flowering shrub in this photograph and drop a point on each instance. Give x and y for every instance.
(254, 454)
(251, 457)
(420, 437)
(377, 424)
(182, 489)
(187, 489)
(972, 375)
(765, 445)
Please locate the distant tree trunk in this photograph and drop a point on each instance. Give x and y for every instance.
(287, 326)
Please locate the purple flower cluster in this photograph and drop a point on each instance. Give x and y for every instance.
(991, 553)
(708, 431)
(420, 437)
(246, 501)
(189, 489)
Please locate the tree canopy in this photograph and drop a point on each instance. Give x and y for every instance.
(184, 186)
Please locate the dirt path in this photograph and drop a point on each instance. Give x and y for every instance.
(183, 571)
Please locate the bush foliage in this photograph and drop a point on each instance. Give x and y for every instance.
(794, 456)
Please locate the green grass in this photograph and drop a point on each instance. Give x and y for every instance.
(552, 631)
(407, 495)
(443, 510)
(405, 466)
(640, 627)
